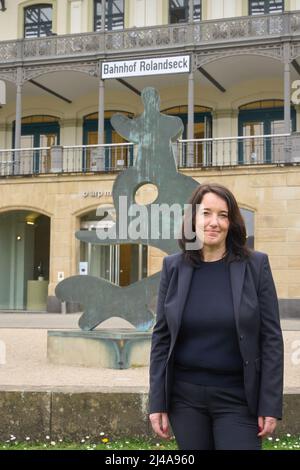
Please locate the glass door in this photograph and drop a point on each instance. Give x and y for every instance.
(23, 163)
(111, 158)
(252, 150)
(44, 159)
(119, 264)
(36, 132)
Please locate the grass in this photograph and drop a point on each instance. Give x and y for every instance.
(287, 442)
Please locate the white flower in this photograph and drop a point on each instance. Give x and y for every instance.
(277, 439)
(275, 447)
(87, 437)
(270, 438)
(47, 437)
(12, 438)
(27, 438)
(60, 440)
(102, 433)
(53, 443)
(82, 440)
(288, 435)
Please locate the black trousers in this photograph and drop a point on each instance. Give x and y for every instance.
(212, 418)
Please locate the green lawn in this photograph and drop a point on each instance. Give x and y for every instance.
(287, 442)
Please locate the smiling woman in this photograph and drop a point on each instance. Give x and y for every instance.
(216, 366)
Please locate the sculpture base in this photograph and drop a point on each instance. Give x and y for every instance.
(113, 349)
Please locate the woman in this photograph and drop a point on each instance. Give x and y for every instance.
(216, 366)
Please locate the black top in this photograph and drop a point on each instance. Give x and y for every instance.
(207, 350)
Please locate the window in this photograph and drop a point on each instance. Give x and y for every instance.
(259, 118)
(179, 11)
(114, 14)
(265, 7)
(37, 131)
(38, 21)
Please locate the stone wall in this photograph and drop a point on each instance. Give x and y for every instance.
(73, 415)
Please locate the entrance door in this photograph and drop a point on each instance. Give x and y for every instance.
(25, 254)
(119, 264)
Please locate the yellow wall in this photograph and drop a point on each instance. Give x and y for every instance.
(137, 13)
(272, 193)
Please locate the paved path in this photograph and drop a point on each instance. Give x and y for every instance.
(70, 321)
(52, 321)
(24, 337)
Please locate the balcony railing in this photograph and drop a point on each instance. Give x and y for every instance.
(231, 151)
(66, 159)
(198, 153)
(161, 37)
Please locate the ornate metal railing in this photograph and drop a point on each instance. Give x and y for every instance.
(66, 159)
(146, 39)
(233, 151)
(197, 153)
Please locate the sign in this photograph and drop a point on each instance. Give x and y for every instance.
(2, 92)
(139, 67)
(83, 268)
(96, 194)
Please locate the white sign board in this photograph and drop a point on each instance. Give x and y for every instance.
(139, 67)
(83, 268)
(2, 92)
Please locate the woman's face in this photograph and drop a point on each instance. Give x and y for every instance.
(212, 222)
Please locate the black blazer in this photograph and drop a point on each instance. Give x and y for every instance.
(257, 325)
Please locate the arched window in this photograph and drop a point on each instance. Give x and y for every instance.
(38, 20)
(114, 14)
(179, 11)
(265, 7)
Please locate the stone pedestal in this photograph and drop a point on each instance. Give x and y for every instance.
(37, 292)
(113, 349)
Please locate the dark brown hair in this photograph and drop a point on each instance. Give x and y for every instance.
(236, 248)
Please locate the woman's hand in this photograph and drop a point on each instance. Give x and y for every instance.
(160, 424)
(266, 425)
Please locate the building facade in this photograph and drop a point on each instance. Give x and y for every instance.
(60, 155)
